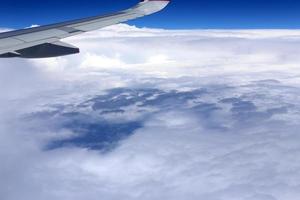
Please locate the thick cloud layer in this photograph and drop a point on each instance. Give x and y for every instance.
(154, 114)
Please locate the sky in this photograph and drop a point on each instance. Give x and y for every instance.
(204, 14)
(155, 109)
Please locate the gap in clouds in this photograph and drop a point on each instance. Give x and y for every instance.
(102, 122)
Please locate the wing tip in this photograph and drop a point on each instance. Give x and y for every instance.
(152, 6)
(166, 1)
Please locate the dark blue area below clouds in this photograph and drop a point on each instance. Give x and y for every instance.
(102, 136)
(101, 122)
(180, 14)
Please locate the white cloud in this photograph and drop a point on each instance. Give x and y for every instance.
(176, 53)
(241, 142)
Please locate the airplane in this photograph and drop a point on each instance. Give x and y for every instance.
(45, 41)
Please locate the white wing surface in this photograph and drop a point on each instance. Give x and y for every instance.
(44, 41)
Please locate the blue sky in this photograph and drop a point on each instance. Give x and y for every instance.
(180, 14)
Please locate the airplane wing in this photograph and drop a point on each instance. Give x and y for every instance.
(44, 41)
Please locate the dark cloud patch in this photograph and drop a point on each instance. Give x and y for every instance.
(113, 111)
(121, 97)
(173, 98)
(94, 131)
(103, 136)
(279, 110)
(267, 82)
(101, 122)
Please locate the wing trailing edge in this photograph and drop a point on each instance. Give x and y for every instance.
(44, 41)
(45, 50)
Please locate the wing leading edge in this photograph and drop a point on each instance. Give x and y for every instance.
(44, 41)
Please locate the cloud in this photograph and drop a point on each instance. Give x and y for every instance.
(154, 114)
(161, 53)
